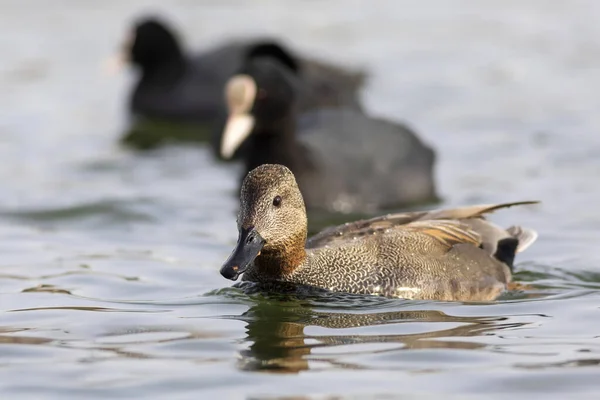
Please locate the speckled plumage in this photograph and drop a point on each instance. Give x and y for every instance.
(450, 254)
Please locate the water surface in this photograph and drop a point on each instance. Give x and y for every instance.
(109, 283)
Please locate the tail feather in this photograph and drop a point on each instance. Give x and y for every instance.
(506, 250)
(477, 211)
(525, 236)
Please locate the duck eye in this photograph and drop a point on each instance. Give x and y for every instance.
(277, 201)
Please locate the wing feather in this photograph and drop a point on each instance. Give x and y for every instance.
(450, 231)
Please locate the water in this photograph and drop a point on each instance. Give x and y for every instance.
(109, 283)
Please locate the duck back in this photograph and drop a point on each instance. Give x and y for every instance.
(361, 163)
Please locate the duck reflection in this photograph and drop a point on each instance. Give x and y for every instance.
(278, 343)
(11, 336)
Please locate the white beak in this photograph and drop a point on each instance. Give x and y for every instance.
(237, 129)
(240, 93)
(118, 61)
(114, 64)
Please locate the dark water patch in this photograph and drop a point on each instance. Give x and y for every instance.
(149, 134)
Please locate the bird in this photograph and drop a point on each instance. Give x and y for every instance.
(179, 96)
(345, 161)
(446, 254)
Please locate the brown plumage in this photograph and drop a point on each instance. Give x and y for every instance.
(452, 254)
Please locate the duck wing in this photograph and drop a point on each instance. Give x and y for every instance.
(449, 226)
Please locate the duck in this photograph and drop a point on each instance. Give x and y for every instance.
(179, 96)
(444, 254)
(345, 161)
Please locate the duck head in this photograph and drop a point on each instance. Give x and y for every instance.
(271, 223)
(149, 44)
(259, 99)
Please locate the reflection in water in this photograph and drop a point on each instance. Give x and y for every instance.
(279, 344)
(117, 342)
(44, 288)
(7, 336)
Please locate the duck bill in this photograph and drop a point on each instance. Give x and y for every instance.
(248, 247)
(118, 61)
(237, 129)
(115, 64)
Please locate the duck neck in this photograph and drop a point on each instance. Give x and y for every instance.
(282, 260)
(273, 143)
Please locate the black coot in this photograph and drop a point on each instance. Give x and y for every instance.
(344, 161)
(179, 97)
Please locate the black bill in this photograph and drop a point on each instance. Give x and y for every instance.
(248, 247)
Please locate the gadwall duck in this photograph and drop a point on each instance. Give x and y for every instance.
(452, 254)
(179, 97)
(344, 161)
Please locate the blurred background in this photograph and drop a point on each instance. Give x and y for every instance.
(109, 280)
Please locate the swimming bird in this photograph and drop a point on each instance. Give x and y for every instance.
(451, 254)
(344, 160)
(179, 96)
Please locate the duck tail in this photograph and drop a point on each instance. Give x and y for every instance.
(525, 236)
(506, 249)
